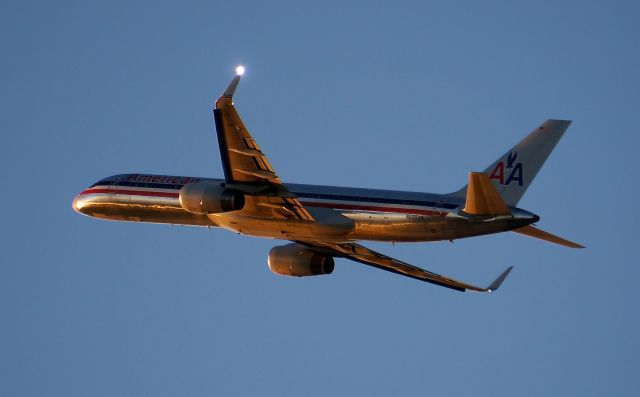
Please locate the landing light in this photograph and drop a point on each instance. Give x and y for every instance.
(240, 70)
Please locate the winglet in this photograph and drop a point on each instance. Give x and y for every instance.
(227, 96)
(498, 281)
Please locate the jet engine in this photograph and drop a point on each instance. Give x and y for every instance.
(208, 197)
(299, 261)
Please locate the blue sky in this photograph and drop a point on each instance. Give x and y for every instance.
(402, 95)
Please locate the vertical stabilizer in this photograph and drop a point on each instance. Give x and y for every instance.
(513, 173)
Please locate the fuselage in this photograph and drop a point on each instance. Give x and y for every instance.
(364, 214)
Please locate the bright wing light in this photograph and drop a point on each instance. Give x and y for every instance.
(240, 70)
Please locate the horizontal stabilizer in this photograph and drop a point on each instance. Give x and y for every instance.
(542, 235)
(482, 197)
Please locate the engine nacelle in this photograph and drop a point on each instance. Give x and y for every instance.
(298, 260)
(210, 198)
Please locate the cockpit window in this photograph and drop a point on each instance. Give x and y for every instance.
(102, 182)
(109, 180)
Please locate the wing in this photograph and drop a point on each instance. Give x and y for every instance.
(358, 253)
(246, 168)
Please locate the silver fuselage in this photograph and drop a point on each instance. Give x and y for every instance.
(364, 214)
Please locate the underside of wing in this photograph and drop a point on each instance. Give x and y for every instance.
(247, 169)
(359, 253)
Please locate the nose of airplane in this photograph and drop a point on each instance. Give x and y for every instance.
(78, 204)
(74, 204)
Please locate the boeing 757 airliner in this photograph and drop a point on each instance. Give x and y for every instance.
(326, 222)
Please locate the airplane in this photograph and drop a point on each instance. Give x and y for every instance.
(326, 222)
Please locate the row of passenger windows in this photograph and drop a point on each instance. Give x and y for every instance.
(151, 185)
(303, 195)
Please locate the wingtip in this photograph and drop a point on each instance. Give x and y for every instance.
(231, 88)
(227, 96)
(498, 281)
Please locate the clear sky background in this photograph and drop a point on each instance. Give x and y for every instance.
(397, 95)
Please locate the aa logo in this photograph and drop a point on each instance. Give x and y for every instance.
(513, 169)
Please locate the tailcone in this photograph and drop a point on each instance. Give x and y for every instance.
(523, 218)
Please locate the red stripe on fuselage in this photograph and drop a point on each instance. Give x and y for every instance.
(132, 192)
(374, 208)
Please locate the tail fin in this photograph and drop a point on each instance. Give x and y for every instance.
(513, 173)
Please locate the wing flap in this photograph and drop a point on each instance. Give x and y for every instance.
(247, 152)
(262, 174)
